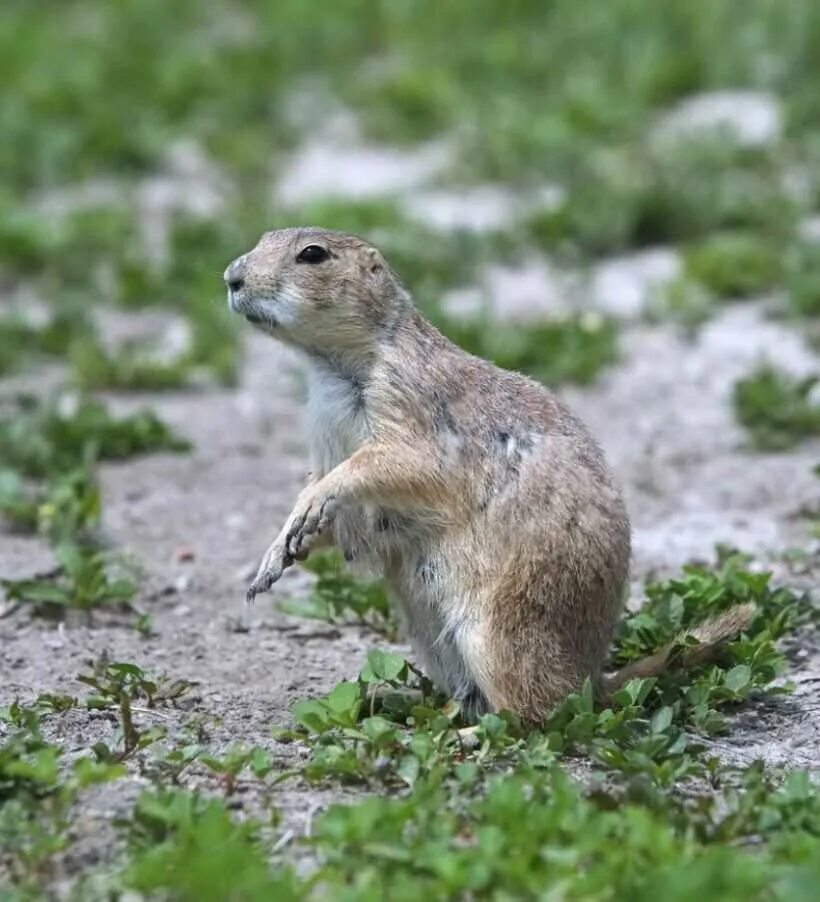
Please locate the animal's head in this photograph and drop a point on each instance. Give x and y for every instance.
(318, 289)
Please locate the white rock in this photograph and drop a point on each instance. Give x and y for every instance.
(529, 290)
(809, 229)
(752, 118)
(326, 169)
(482, 208)
(623, 286)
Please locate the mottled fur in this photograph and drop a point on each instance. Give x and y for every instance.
(483, 501)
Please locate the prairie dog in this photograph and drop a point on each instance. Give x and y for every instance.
(482, 500)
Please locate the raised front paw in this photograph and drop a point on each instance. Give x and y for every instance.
(310, 519)
(274, 564)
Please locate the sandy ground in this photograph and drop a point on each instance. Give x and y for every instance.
(663, 416)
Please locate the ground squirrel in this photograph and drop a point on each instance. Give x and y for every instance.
(483, 501)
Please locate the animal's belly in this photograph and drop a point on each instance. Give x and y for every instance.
(376, 534)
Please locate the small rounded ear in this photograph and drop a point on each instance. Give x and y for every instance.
(373, 261)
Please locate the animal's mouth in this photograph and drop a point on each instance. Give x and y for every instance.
(257, 320)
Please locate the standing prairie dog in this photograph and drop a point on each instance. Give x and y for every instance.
(485, 504)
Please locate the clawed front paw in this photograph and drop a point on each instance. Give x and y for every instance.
(274, 564)
(293, 543)
(313, 521)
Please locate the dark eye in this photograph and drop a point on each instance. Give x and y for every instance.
(313, 253)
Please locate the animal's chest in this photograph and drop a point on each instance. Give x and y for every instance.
(337, 424)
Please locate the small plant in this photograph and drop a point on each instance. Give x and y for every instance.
(38, 438)
(84, 580)
(337, 594)
(777, 410)
(59, 442)
(571, 349)
(188, 847)
(683, 302)
(120, 684)
(131, 368)
(235, 760)
(734, 264)
(20, 339)
(803, 279)
(37, 790)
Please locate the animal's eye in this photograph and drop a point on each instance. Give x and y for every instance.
(313, 253)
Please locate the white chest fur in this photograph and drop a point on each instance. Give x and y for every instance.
(336, 420)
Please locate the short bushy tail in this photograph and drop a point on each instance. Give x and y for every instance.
(711, 636)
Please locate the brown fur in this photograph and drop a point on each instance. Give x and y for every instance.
(483, 501)
(711, 635)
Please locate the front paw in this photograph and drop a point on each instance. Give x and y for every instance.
(276, 560)
(310, 519)
(313, 519)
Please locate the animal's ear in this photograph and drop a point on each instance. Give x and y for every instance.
(373, 263)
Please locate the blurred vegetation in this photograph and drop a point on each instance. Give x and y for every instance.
(527, 93)
(531, 86)
(778, 410)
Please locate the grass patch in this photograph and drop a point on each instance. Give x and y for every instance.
(571, 349)
(495, 816)
(682, 301)
(734, 264)
(38, 438)
(803, 280)
(337, 596)
(777, 410)
(48, 483)
(618, 200)
(21, 340)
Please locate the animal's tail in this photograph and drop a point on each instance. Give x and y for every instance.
(711, 635)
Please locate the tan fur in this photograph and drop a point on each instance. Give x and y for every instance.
(481, 499)
(710, 635)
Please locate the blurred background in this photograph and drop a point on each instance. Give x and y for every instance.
(621, 196)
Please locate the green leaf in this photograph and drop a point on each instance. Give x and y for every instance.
(345, 697)
(408, 769)
(311, 714)
(661, 719)
(383, 667)
(738, 678)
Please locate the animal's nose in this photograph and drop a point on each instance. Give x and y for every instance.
(235, 275)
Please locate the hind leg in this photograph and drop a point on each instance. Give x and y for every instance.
(472, 702)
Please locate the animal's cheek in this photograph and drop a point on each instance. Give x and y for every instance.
(286, 305)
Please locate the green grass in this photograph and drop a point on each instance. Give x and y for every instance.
(803, 280)
(42, 437)
(734, 264)
(641, 196)
(568, 349)
(49, 450)
(777, 410)
(448, 67)
(337, 596)
(499, 817)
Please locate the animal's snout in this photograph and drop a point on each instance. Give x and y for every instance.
(235, 275)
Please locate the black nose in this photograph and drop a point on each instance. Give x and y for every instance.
(235, 284)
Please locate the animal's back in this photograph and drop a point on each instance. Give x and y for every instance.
(512, 600)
